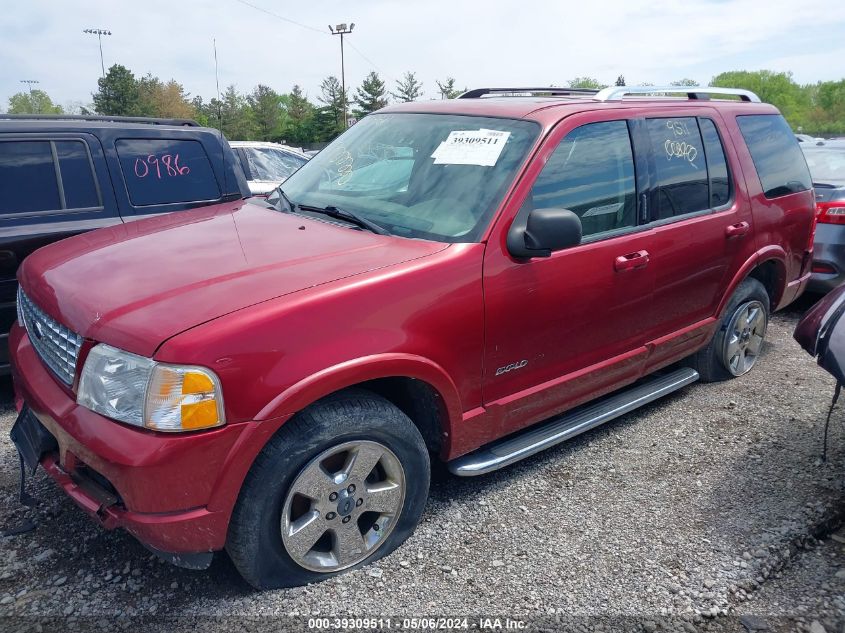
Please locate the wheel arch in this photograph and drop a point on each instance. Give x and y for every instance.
(417, 386)
(768, 266)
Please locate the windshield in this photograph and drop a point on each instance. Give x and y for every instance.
(273, 165)
(430, 176)
(826, 165)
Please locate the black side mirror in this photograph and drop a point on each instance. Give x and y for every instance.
(544, 231)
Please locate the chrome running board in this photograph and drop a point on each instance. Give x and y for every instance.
(538, 438)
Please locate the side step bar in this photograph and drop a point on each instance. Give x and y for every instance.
(513, 448)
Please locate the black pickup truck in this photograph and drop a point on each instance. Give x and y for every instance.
(62, 175)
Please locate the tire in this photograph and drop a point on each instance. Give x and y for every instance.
(735, 347)
(288, 500)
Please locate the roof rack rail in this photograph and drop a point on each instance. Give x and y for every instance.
(551, 91)
(616, 93)
(99, 117)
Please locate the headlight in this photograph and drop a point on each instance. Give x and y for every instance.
(140, 391)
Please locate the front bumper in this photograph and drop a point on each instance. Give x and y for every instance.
(162, 484)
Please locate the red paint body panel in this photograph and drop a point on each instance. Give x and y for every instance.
(286, 310)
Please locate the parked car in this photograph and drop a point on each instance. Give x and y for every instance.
(276, 379)
(267, 165)
(63, 175)
(826, 161)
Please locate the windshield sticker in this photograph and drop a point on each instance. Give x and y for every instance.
(471, 147)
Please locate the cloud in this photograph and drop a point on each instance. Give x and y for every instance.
(491, 43)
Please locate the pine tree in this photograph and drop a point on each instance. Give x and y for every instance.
(370, 96)
(118, 93)
(335, 100)
(620, 80)
(408, 88)
(447, 88)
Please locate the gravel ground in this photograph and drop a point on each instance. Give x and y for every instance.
(685, 515)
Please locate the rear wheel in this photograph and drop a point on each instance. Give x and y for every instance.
(736, 345)
(340, 485)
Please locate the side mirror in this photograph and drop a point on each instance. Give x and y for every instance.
(543, 232)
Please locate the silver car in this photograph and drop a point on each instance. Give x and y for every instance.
(826, 160)
(267, 165)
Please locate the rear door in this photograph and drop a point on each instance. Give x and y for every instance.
(701, 222)
(53, 186)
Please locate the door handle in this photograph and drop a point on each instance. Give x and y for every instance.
(631, 261)
(737, 230)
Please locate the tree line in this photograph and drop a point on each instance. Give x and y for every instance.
(267, 115)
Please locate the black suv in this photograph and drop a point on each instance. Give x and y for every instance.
(62, 175)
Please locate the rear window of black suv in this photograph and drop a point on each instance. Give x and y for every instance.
(776, 154)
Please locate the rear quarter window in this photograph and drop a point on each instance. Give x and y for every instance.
(777, 157)
(28, 177)
(164, 171)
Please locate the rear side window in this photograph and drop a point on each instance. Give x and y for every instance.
(591, 173)
(28, 177)
(681, 166)
(776, 154)
(717, 165)
(162, 171)
(77, 175)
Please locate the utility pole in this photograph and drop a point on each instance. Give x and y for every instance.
(99, 33)
(342, 29)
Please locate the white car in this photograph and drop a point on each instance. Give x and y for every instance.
(267, 165)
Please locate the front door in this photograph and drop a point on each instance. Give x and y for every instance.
(566, 328)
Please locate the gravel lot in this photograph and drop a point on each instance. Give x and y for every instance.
(685, 515)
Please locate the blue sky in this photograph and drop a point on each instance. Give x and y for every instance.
(530, 42)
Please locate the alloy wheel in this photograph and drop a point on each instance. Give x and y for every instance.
(342, 506)
(744, 337)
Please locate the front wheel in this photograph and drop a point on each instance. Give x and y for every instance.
(736, 345)
(340, 485)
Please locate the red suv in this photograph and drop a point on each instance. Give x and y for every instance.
(471, 280)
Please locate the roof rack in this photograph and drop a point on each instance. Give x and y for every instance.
(616, 93)
(551, 91)
(97, 117)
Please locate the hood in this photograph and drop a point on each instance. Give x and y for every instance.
(137, 284)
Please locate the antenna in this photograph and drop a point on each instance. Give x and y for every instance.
(220, 122)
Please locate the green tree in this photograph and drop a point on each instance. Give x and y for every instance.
(237, 119)
(118, 93)
(299, 125)
(38, 102)
(620, 81)
(447, 88)
(267, 112)
(777, 88)
(586, 82)
(408, 88)
(684, 82)
(335, 101)
(370, 95)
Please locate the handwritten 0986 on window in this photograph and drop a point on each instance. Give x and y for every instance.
(164, 166)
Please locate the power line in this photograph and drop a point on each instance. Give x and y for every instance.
(276, 15)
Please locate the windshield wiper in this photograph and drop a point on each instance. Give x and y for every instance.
(345, 215)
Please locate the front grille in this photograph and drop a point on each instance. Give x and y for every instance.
(57, 346)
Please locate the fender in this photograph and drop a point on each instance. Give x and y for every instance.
(769, 253)
(319, 385)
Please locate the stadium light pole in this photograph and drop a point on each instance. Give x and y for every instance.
(343, 29)
(29, 83)
(99, 33)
